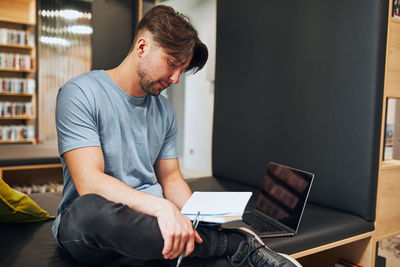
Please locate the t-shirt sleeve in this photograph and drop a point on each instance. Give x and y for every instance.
(169, 147)
(75, 119)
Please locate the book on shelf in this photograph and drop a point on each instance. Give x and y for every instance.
(16, 37)
(216, 207)
(17, 85)
(396, 9)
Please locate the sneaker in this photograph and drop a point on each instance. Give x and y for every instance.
(254, 253)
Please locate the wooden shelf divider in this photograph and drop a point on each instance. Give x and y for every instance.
(18, 70)
(25, 47)
(25, 141)
(15, 94)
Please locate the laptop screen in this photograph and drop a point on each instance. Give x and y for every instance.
(284, 194)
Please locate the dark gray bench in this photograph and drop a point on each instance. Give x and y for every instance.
(23, 244)
(299, 84)
(319, 226)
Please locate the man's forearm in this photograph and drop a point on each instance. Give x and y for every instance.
(177, 191)
(119, 192)
(170, 177)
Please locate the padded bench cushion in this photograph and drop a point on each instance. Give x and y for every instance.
(319, 225)
(24, 244)
(33, 244)
(25, 154)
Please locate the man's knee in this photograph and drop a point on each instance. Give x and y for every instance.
(89, 200)
(84, 212)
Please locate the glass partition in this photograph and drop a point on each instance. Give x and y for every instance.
(65, 51)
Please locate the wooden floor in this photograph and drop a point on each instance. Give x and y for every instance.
(390, 249)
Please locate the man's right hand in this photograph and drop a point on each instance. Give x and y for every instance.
(177, 231)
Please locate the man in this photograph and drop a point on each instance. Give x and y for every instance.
(123, 189)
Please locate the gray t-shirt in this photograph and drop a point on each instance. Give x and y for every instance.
(92, 110)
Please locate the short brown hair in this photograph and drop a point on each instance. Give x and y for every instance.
(175, 34)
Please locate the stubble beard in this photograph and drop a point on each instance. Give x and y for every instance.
(148, 86)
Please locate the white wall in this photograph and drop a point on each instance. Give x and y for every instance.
(197, 118)
(391, 111)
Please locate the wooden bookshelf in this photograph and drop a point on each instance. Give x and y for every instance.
(15, 46)
(18, 15)
(395, 20)
(16, 94)
(392, 79)
(17, 70)
(389, 164)
(18, 11)
(27, 141)
(22, 117)
(387, 222)
(28, 174)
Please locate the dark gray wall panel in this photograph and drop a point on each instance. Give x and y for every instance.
(300, 83)
(114, 23)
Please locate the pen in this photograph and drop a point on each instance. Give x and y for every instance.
(195, 224)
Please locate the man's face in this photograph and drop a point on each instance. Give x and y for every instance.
(157, 71)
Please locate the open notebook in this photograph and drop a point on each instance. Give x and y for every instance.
(216, 207)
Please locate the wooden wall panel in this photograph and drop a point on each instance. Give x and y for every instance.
(361, 252)
(392, 88)
(19, 11)
(388, 212)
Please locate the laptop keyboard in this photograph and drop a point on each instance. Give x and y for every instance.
(259, 224)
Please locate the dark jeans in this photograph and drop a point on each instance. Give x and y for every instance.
(94, 230)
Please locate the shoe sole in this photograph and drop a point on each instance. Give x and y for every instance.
(252, 233)
(292, 260)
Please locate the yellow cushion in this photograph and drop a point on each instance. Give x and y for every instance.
(18, 207)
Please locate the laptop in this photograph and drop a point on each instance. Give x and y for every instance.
(280, 203)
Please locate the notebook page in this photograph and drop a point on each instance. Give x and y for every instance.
(218, 204)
